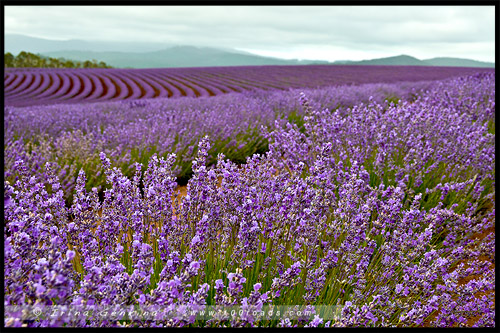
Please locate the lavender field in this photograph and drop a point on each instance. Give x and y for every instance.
(343, 198)
(43, 86)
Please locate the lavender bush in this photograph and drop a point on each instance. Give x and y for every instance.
(370, 208)
(132, 131)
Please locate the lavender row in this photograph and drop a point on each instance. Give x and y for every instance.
(131, 131)
(19, 84)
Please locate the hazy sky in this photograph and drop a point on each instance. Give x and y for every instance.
(300, 32)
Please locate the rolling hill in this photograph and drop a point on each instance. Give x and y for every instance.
(178, 56)
(406, 60)
(123, 54)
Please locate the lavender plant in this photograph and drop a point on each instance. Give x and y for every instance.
(371, 209)
(72, 136)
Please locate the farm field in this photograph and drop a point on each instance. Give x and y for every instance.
(357, 196)
(42, 86)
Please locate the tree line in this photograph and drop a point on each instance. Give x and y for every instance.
(28, 59)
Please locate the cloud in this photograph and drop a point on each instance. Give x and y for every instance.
(424, 30)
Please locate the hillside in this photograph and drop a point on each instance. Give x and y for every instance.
(406, 60)
(15, 43)
(457, 62)
(124, 54)
(179, 56)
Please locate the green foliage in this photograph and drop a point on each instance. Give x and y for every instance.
(28, 59)
(491, 127)
(298, 119)
(392, 99)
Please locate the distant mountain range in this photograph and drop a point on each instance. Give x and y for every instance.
(406, 60)
(15, 43)
(155, 55)
(178, 56)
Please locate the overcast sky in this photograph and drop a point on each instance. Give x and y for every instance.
(299, 32)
